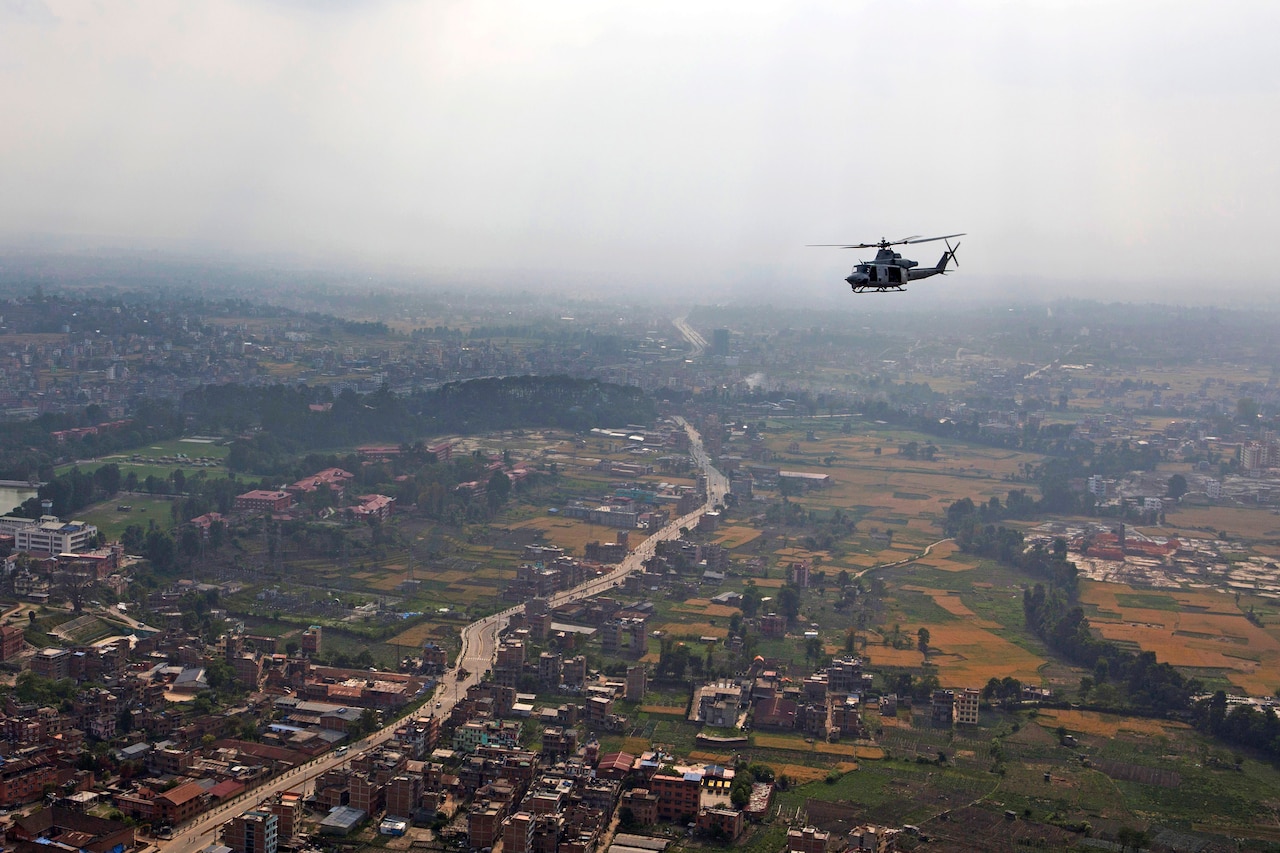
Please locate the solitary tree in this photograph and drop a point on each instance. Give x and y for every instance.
(922, 640)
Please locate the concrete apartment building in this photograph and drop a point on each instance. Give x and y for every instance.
(808, 840)
(252, 832)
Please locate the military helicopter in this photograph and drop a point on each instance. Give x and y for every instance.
(890, 271)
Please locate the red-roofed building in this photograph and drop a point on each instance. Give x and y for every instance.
(373, 506)
(261, 500)
(180, 804)
(775, 713)
(615, 765)
(226, 790)
(334, 479)
(204, 522)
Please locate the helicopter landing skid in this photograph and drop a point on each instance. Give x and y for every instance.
(877, 288)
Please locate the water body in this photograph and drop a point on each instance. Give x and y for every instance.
(12, 496)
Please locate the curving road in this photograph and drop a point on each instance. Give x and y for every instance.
(479, 642)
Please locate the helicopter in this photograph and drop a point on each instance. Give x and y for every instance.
(889, 270)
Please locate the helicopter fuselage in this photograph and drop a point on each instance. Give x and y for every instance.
(889, 270)
(889, 276)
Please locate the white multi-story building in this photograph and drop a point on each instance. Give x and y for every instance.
(49, 534)
(1097, 486)
(967, 706)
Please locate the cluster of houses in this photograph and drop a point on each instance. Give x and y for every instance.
(330, 484)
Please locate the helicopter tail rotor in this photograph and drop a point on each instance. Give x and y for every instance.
(951, 255)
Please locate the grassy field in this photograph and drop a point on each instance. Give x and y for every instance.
(111, 520)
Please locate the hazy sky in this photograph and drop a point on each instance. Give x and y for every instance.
(1111, 148)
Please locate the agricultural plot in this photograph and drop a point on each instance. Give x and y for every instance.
(573, 534)
(1197, 630)
(736, 537)
(1239, 522)
(1107, 725)
(970, 656)
(425, 632)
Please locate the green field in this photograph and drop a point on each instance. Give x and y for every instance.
(112, 521)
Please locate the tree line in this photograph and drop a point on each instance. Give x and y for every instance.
(288, 421)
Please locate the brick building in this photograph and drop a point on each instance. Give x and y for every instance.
(677, 795)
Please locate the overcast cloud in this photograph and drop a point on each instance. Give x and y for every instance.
(1119, 149)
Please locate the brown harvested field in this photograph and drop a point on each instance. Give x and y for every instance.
(694, 629)
(693, 605)
(771, 583)
(802, 773)
(669, 710)
(570, 534)
(419, 634)
(970, 656)
(1237, 521)
(796, 553)
(1199, 629)
(712, 757)
(1105, 725)
(736, 537)
(889, 656)
(852, 750)
(703, 607)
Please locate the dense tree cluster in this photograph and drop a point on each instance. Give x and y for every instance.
(292, 420)
(1243, 725)
(29, 449)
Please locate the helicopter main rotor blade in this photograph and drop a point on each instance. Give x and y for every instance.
(931, 239)
(840, 246)
(883, 244)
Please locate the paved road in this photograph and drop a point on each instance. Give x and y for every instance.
(479, 642)
(696, 341)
